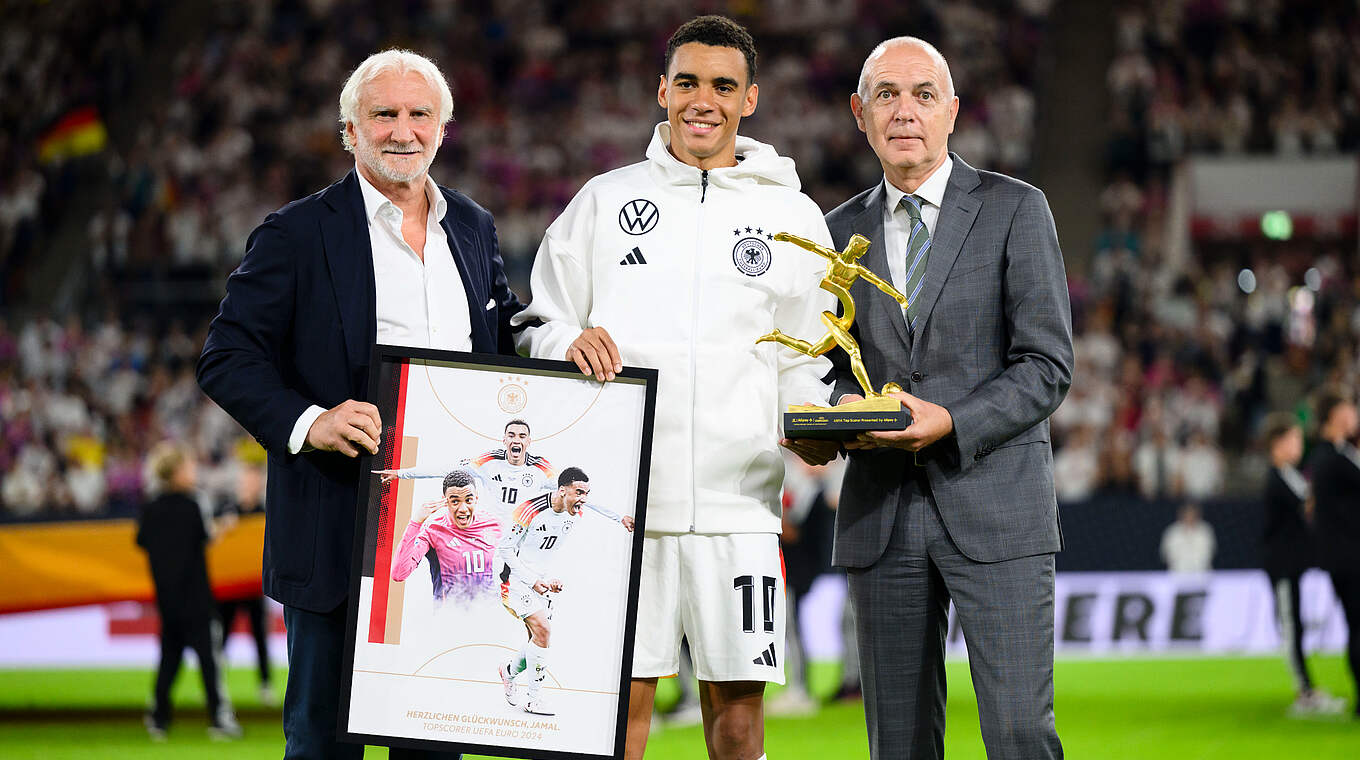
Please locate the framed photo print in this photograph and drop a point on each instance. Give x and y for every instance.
(497, 556)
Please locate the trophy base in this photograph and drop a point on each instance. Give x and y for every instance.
(845, 422)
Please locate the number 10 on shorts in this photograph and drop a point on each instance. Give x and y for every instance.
(747, 585)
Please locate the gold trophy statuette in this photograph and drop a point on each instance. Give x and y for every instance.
(877, 411)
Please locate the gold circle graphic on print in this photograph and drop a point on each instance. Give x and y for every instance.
(499, 434)
(473, 680)
(512, 398)
(479, 646)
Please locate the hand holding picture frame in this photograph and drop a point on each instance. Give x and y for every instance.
(497, 556)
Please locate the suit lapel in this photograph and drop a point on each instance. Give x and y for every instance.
(349, 258)
(869, 223)
(958, 211)
(461, 244)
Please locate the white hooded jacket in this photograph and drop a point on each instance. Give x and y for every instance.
(680, 266)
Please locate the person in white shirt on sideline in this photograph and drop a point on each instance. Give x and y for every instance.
(1188, 544)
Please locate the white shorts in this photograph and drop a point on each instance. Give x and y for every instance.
(522, 601)
(725, 594)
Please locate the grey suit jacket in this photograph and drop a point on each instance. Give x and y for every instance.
(993, 345)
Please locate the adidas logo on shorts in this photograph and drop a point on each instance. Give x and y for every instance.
(767, 657)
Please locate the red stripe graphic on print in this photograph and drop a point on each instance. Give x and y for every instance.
(527, 511)
(382, 563)
(488, 456)
(542, 464)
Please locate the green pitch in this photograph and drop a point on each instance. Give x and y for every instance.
(1133, 709)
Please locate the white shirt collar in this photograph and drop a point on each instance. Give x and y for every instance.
(931, 191)
(1350, 452)
(1295, 480)
(374, 200)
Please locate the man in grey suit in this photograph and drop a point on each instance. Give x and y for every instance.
(960, 505)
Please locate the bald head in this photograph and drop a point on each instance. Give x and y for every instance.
(947, 80)
(906, 107)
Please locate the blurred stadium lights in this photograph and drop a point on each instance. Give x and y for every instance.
(1277, 225)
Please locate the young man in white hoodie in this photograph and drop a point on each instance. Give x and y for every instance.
(671, 263)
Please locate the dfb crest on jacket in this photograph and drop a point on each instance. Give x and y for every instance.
(751, 255)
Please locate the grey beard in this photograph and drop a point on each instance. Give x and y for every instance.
(373, 159)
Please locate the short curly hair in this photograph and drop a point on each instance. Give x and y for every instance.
(572, 475)
(718, 31)
(457, 479)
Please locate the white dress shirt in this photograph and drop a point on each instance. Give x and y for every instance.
(1189, 548)
(897, 223)
(420, 303)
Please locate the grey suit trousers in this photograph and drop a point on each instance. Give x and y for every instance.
(901, 608)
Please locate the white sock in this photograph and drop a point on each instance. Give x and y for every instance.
(536, 658)
(521, 661)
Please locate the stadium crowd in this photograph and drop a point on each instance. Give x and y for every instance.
(1175, 367)
(82, 407)
(59, 72)
(547, 95)
(1177, 364)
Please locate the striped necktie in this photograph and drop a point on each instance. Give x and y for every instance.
(918, 252)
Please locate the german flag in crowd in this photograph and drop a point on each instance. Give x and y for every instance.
(79, 133)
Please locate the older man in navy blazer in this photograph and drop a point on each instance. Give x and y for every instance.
(382, 256)
(959, 506)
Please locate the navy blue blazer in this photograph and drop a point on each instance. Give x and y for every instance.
(296, 328)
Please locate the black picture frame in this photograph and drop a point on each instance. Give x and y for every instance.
(460, 709)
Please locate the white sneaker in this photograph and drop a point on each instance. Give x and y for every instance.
(156, 731)
(509, 682)
(268, 698)
(793, 700)
(537, 706)
(1317, 702)
(687, 713)
(226, 729)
